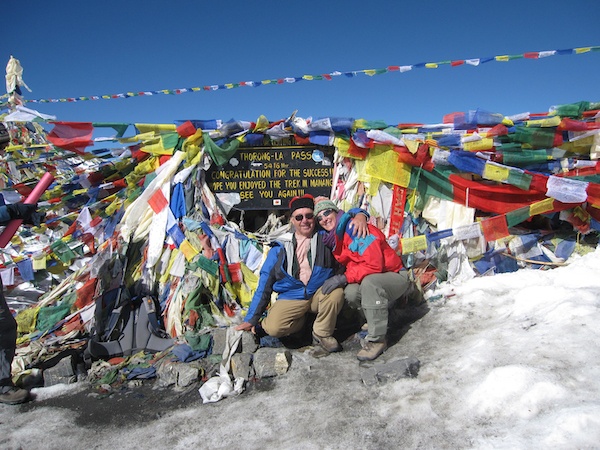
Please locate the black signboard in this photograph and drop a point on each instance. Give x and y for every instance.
(269, 177)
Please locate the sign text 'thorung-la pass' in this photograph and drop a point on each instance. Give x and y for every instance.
(268, 177)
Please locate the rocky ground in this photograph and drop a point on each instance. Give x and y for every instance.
(141, 401)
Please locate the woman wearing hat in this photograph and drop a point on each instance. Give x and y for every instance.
(373, 277)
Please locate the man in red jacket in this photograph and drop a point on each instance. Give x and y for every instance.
(373, 279)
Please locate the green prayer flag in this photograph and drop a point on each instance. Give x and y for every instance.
(220, 155)
(517, 216)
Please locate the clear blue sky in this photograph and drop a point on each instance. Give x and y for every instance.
(82, 48)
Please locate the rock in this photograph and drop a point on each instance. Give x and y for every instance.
(61, 373)
(176, 373)
(166, 374)
(241, 365)
(270, 362)
(389, 371)
(249, 342)
(186, 375)
(219, 336)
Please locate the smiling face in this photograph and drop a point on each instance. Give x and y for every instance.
(327, 219)
(304, 221)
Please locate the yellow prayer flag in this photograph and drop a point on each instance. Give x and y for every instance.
(582, 50)
(412, 145)
(369, 72)
(480, 145)
(373, 187)
(26, 320)
(114, 205)
(382, 163)
(503, 58)
(156, 127)
(361, 170)
(188, 250)
(495, 172)
(262, 124)
(39, 262)
(342, 146)
(541, 207)
(543, 123)
(413, 244)
(156, 149)
(164, 276)
(431, 66)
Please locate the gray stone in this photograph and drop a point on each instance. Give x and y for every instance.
(249, 342)
(61, 373)
(270, 362)
(166, 374)
(219, 336)
(389, 371)
(241, 365)
(186, 374)
(176, 373)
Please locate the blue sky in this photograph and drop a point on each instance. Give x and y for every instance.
(80, 48)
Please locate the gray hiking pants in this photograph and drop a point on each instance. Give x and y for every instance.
(374, 294)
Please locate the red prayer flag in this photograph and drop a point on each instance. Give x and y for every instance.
(158, 201)
(495, 228)
(73, 136)
(186, 129)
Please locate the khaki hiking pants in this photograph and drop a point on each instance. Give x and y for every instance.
(287, 317)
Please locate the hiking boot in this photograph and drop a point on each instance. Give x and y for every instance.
(371, 350)
(329, 343)
(14, 396)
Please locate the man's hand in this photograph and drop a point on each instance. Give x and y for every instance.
(359, 226)
(333, 283)
(245, 326)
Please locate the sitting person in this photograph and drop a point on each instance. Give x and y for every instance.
(296, 270)
(373, 277)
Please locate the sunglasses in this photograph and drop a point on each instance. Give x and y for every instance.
(299, 217)
(326, 213)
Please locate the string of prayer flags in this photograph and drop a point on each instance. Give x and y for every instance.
(473, 62)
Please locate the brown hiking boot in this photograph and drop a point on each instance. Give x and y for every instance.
(14, 396)
(371, 350)
(329, 343)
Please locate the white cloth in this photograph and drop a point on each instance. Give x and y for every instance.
(22, 114)
(158, 229)
(566, 190)
(384, 138)
(14, 75)
(140, 207)
(222, 385)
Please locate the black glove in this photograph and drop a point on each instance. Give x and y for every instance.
(28, 213)
(333, 283)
